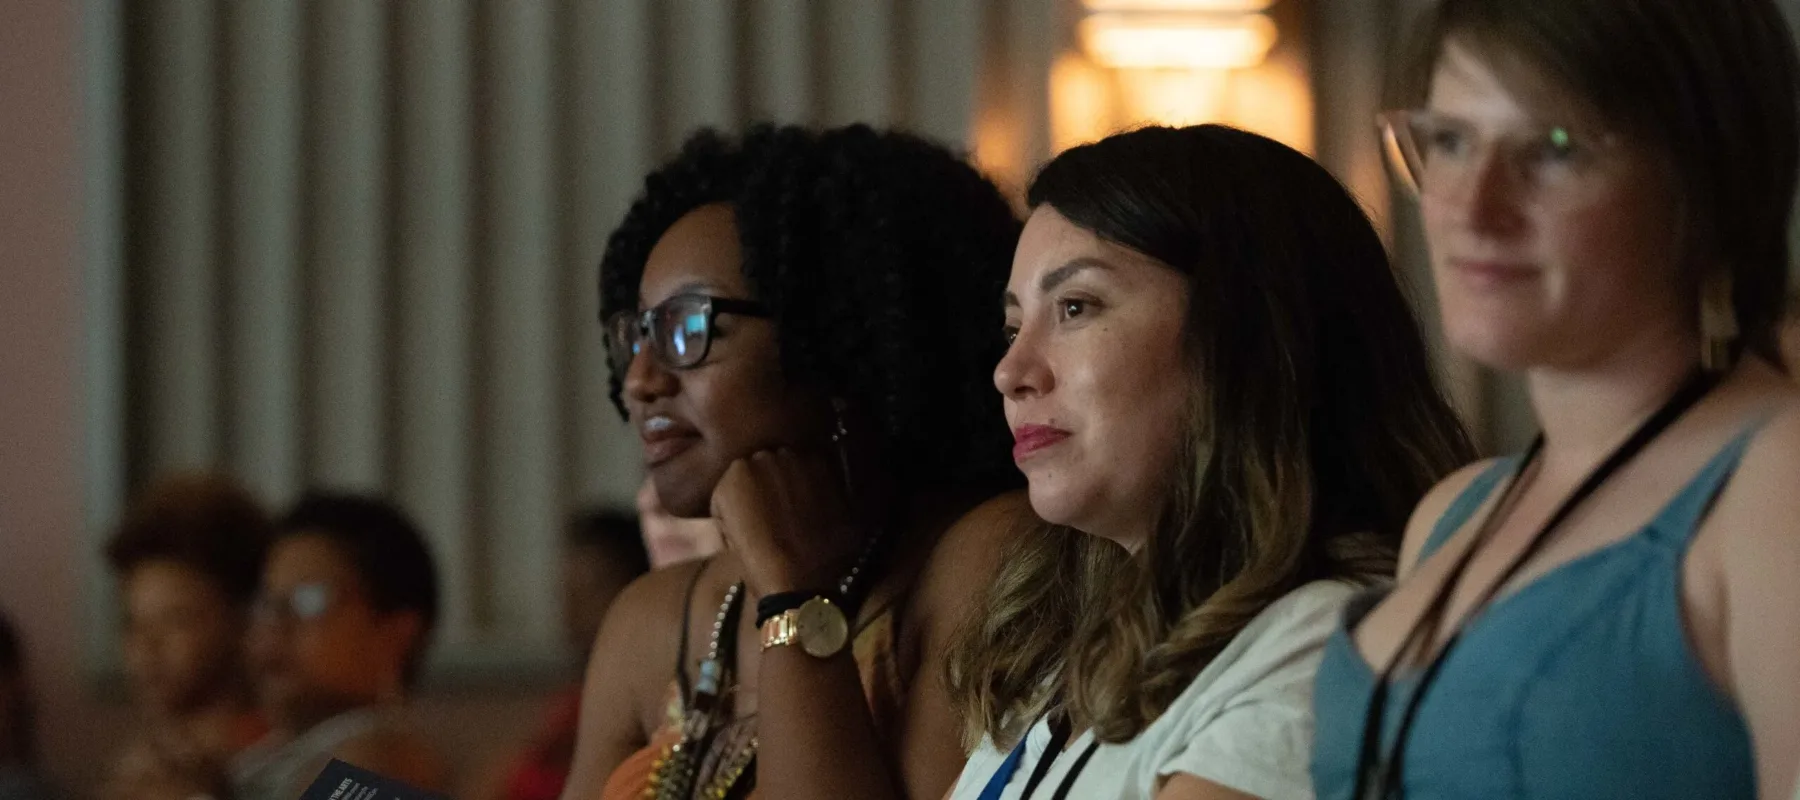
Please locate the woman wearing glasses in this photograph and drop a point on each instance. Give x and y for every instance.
(1223, 404)
(1605, 188)
(802, 327)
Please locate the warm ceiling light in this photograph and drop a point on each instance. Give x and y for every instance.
(1213, 6)
(1177, 41)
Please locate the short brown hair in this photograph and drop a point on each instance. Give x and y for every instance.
(206, 522)
(1712, 85)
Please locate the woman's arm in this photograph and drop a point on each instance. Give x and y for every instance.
(818, 738)
(1758, 522)
(1188, 787)
(628, 672)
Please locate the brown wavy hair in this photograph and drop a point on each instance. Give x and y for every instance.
(1313, 427)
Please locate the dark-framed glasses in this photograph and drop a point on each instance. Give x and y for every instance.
(303, 603)
(1437, 154)
(679, 330)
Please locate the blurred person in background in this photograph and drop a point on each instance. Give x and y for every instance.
(18, 753)
(348, 600)
(1605, 188)
(187, 558)
(671, 539)
(604, 551)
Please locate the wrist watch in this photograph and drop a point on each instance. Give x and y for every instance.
(818, 626)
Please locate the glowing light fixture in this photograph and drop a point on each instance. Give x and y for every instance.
(1209, 6)
(1176, 41)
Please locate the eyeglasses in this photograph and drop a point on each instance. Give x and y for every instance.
(679, 330)
(303, 603)
(1437, 155)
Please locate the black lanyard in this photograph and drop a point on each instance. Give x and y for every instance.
(1059, 738)
(1377, 773)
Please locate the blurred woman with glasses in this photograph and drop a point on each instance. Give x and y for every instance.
(349, 599)
(1605, 187)
(801, 327)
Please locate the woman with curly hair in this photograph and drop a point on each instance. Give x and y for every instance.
(1224, 408)
(802, 328)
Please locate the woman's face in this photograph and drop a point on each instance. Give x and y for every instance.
(1095, 384)
(696, 421)
(317, 644)
(183, 638)
(1563, 250)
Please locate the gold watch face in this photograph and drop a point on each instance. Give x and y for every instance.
(822, 628)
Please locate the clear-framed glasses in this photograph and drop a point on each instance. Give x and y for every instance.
(679, 330)
(303, 603)
(1435, 155)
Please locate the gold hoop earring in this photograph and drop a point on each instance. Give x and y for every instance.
(1718, 322)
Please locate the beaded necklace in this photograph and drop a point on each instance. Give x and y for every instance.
(674, 774)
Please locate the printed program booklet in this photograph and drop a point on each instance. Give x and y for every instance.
(341, 781)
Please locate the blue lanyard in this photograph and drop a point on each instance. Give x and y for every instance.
(1007, 770)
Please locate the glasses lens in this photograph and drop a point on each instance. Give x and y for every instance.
(621, 341)
(684, 332)
(1400, 145)
(310, 601)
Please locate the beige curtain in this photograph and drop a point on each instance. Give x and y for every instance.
(360, 237)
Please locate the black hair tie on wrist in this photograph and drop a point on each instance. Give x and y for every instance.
(774, 605)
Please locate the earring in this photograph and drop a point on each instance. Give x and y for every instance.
(1718, 322)
(840, 433)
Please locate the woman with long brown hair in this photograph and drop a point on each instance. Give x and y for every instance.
(1221, 401)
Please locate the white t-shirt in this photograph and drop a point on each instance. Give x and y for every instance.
(1244, 723)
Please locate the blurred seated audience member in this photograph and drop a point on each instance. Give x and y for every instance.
(604, 551)
(349, 598)
(18, 772)
(187, 557)
(671, 539)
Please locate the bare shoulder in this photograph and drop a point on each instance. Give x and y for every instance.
(649, 609)
(403, 755)
(1761, 501)
(973, 545)
(1432, 507)
(640, 638)
(967, 555)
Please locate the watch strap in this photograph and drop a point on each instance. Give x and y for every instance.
(770, 606)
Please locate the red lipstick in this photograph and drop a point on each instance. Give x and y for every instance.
(1028, 440)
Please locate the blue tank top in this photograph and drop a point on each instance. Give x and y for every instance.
(1579, 685)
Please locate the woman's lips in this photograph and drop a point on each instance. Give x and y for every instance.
(1029, 440)
(1492, 274)
(665, 439)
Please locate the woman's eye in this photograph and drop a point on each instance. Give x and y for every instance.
(1010, 333)
(1445, 142)
(1073, 308)
(1557, 147)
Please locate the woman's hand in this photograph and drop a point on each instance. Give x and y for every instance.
(784, 514)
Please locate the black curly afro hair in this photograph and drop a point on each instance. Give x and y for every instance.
(882, 256)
